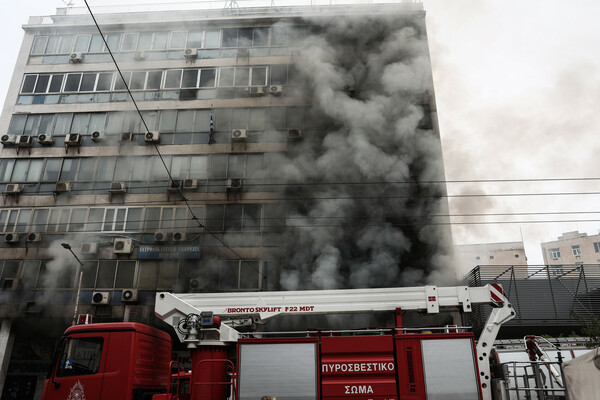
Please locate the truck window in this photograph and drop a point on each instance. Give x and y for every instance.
(79, 356)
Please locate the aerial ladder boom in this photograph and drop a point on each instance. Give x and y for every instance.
(260, 307)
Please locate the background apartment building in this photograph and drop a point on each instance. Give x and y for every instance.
(282, 148)
(469, 256)
(571, 249)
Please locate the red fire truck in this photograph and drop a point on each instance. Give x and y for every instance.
(114, 361)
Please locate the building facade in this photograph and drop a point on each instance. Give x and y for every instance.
(469, 256)
(571, 249)
(267, 149)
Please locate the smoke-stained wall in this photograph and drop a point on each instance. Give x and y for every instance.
(366, 193)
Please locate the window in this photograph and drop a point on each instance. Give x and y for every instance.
(554, 253)
(516, 256)
(597, 247)
(491, 257)
(79, 356)
(576, 250)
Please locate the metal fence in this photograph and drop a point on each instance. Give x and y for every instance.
(545, 295)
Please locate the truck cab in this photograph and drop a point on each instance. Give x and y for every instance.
(109, 361)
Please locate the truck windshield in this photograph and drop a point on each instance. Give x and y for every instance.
(79, 356)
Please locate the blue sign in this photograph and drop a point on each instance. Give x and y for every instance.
(171, 252)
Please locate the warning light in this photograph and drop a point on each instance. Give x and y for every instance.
(84, 319)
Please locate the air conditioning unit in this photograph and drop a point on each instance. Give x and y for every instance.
(139, 56)
(129, 296)
(234, 184)
(62, 187)
(152, 137)
(34, 237)
(190, 184)
(160, 236)
(88, 249)
(178, 236)
(12, 188)
(239, 134)
(45, 139)
(294, 134)
(73, 139)
(11, 238)
(276, 90)
(24, 141)
(174, 186)
(256, 90)
(100, 298)
(76, 57)
(123, 246)
(126, 137)
(117, 187)
(191, 53)
(98, 136)
(8, 140)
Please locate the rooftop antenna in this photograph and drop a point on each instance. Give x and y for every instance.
(68, 3)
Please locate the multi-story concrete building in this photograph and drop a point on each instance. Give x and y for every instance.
(274, 148)
(469, 256)
(571, 249)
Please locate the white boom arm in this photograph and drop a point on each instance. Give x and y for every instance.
(262, 306)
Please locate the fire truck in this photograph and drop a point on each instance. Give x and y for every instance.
(233, 358)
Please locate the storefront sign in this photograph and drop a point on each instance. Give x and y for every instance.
(170, 252)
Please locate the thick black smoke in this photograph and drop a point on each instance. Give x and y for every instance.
(363, 174)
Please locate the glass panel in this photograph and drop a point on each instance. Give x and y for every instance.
(179, 167)
(39, 44)
(66, 44)
(145, 41)
(190, 78)
(6, 167)
(251, 221)
(198, 212)
(123, 169)
(104, 81)
(202, 123)
(97, 122)
(46, 124)
(152, 218)
(79, 123)
(77, 219)
(185, 121)
(214, 217)
(249, 275)
(96, 44)
(235, 166)
(242, 76)
(180, 218)
(194, 40)
(29, 83)
(226, 76)
(106, 168)
(119, 84)
(106, 274)
(120, 219)
(173, 79)
(261, 37)
(245, 37)
(154, 78)
(80, 357)
(140, 171)
(69, 169)
(42, 83)
(134, 219)
(88, 82)
(63, 124)
(72, 84)
(129, 41)
(113, 41)
(40, 216)
(125, 274)
(52, 170)
(29, 273)
(56, 83)
(233, 217)
(20, 171)
(17, 123)
(109, 219)
(52, 47)
(137, 80)
(222, 119)
(257, 119)
(212, 39)
(218, 166)
(279, 35)
(94, 223)
(81, 43)
(167, 121)
(229, 275)
(207, 78)
(198, 167)
(160, 41)
(86, 169)
(35, 170)
(157, 170)
(178, 40)
(147, 275)
(31, 125)
(259, 76)
(88, 280)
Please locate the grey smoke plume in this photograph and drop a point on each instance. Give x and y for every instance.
(368, 79)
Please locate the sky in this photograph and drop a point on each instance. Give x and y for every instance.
(517, 86)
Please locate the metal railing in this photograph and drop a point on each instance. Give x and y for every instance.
(530, 380)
